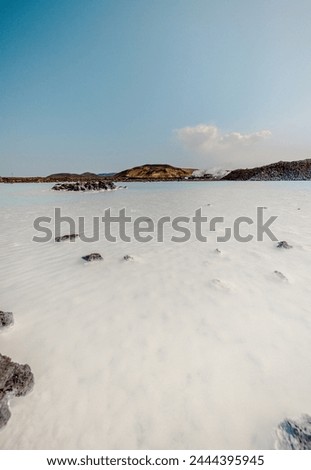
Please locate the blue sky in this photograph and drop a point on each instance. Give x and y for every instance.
(103, 85)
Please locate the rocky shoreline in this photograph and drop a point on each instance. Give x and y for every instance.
(48, 179)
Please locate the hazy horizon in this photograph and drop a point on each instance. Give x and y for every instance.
(106, 85)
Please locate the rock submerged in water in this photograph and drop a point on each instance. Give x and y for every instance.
(85, 186)
(70, 237)
(128, 258)
(92, 257)
(294, 435)
(280, 275)
(284, 244)
(16, 380)
(6, 319)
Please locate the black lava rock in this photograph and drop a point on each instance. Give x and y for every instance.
(284, 244)
(6, 319)
(128, 258)
(16, 380)
(294, 435)
(85, 186)
(70, 237)
(93, 257)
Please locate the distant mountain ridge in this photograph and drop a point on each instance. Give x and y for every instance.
(87, 174)
(297, 170)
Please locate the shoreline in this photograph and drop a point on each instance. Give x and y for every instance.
(34, 179)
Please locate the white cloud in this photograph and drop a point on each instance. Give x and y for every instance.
(208, 137)
(219, 148)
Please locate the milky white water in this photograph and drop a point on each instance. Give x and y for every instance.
(181, 348)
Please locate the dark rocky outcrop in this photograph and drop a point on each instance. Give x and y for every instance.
(63, 238)
(16, 380)
(295, 170)
(6, 319)
(294, 435)
(91, 185)
(93, 257)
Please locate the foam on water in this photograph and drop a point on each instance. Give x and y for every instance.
(179, 348)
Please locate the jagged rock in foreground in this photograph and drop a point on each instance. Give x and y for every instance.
(63, 238)
(288, 171)
(16, 380)
(294, 435)
(6, 319)
(93, 257)
(85, 186)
